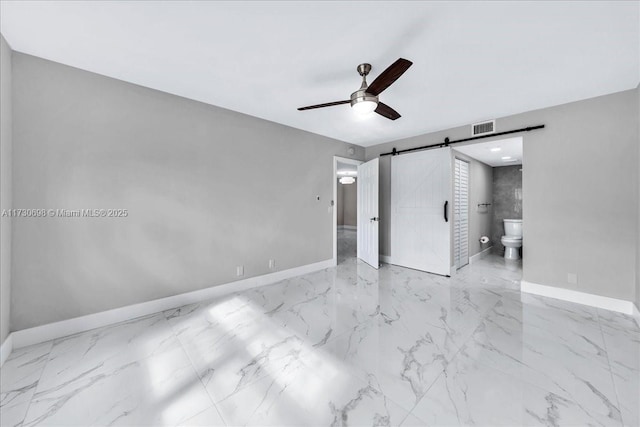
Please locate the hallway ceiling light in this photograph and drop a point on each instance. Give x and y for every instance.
(347, 180)
(506, 158)
(352, 173)
(496, 149)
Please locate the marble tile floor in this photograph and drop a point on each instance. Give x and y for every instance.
(346, 346)
(347, 245)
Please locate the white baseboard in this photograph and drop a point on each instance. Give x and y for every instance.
(385, 258)
(598, 301)
(636, 314)
(68, 327)
(477, 257)
(6, 348)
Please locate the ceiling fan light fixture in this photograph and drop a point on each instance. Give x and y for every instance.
(364, 107)
(363, 103)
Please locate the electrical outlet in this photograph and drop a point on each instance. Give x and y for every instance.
(272, 264)
(572, 278)
(240, 270)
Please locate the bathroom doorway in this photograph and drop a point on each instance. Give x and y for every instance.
(494, 185)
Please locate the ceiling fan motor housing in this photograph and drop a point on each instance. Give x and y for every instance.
(363, 69)
(361, 95)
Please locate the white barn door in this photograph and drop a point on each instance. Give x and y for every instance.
(421, 210)
(461, 214)
(368, 220)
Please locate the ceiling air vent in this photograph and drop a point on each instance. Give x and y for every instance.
(483, 128)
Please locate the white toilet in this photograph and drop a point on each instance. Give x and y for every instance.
(512, 241)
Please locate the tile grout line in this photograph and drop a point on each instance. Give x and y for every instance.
(424, 395)
(531, 384)
(53, 343)
(115, 368)
(443, 372)
(35, 390)
(193, 367)
(262, 312)
(613, 381)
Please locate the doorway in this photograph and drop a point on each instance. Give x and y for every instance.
(444, 214)
(495, 195)
(345, 205)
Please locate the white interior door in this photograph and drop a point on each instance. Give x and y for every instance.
(461, 214)
(420, 210)
(368, 220)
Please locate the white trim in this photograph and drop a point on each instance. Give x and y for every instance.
(385, 258)
(636, 314)
(334, 213)
(607, 303)
(453, 270)
(477, 257)
(67, 327)
(6, 348)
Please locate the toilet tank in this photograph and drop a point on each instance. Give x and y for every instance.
(513, 227)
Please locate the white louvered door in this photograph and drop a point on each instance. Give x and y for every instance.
(461, 214)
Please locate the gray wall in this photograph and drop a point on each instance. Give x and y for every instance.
(580, 179)
(5, 187)
(207, 189)
(638, 224)
(506, 181)
(348, 204)
(480, 191)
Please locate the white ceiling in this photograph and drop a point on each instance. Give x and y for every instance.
(493, 153)
(472, 60)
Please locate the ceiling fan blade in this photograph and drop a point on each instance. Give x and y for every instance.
(389, 76)
(329, 104)
(385, 111)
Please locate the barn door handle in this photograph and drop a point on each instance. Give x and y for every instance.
(446, 217)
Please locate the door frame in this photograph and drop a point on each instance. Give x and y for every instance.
(334, 215)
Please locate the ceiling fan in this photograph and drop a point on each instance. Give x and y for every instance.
(365, 100)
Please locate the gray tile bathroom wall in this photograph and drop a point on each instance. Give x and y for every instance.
(507, 201)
